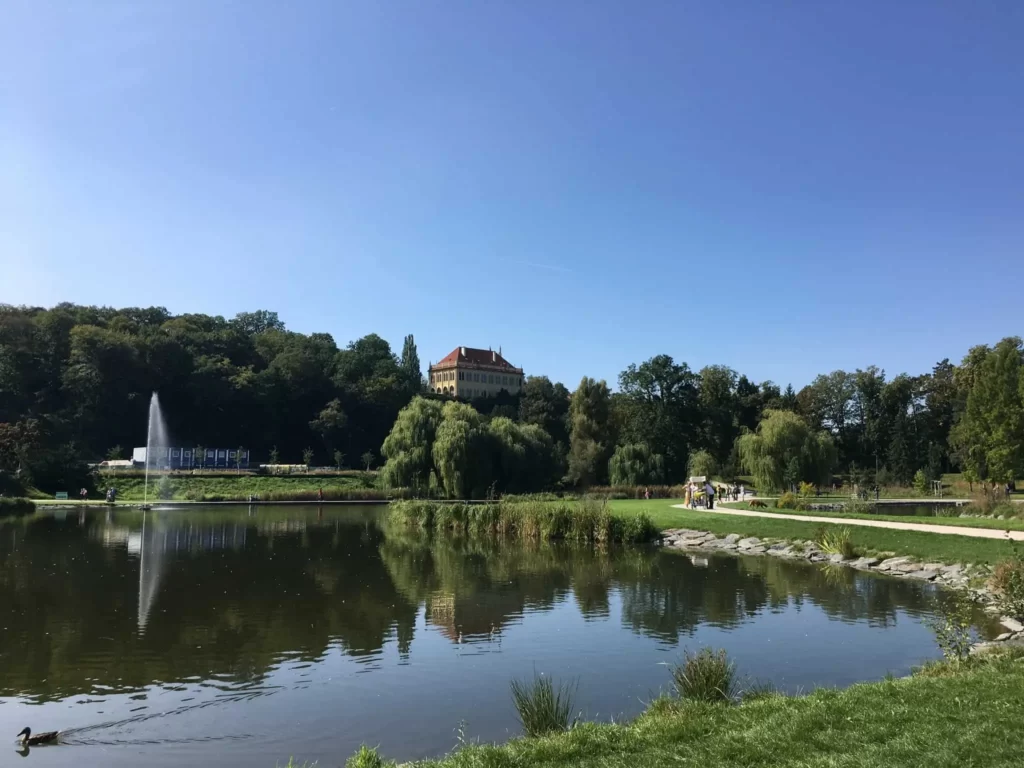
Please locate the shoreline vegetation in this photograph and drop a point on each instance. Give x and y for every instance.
(948, 713)
(16, 506)
(586, 520)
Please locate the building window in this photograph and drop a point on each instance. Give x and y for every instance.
(476, 377)
(462, 376)
(490, 378)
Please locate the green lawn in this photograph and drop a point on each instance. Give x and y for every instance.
(236, 488)
(944, 719)
(964, 522)
(929, 547)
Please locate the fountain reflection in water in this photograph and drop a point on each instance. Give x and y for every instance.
(156, 436)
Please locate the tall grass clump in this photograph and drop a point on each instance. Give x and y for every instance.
(367, 757)
(837, 541)
(542, 707)
(588, 520)
(16, 506)
(706, 676)
(1008, 583)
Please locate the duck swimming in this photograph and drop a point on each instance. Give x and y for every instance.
(40, 738)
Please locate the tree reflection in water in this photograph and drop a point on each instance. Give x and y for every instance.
(101, 603)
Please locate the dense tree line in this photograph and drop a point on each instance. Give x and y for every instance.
(75, 383)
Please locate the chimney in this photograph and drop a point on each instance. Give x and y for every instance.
(494, 356)
(462, 351)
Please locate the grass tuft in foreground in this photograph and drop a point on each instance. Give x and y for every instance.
(542, 707)
(706, 676)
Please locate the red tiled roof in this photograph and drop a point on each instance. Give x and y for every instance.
(476, 357)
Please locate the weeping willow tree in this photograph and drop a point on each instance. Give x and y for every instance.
(702, 464)
(461, 451)
(634, 464)
(785, 450)
(410, 462)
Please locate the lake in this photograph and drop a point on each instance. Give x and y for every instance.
(242, 636)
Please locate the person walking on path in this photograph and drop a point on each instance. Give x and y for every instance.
(709, 491)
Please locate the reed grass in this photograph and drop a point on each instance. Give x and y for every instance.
(706, 676)
(588, 520)
(837, 541)
(542, 707)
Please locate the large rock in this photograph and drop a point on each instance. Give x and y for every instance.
(924, 575)
(865, 562)
(1011, 624)
(887, 564)
(777, 551)
(909, 567)
(733, 537)
(749, 542)
(835, 558)
(754, 550)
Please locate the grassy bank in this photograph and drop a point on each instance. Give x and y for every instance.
(586, 520)
(222, 487)
(928, 547)
(10, 507)
(946, 717)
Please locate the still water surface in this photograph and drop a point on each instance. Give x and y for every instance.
(236, 636)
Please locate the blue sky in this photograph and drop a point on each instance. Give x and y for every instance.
(786, 188)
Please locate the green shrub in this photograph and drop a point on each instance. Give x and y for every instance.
(542, 708)
(705, 676)
(788, 500)
(639, 529)
(1008, 582)
(836, 541)
(952, 626)
(165, 488)
(920, 482)
(807, 490)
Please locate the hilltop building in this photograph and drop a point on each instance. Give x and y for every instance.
(468, 373)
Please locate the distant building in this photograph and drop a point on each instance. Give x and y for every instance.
(186, 458)
(468, 373)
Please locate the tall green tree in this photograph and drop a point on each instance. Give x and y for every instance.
(590, 438)
(410, 365)
(989, 438)
(409, 448)
(661, 408)
(635, 465)
(785, 450)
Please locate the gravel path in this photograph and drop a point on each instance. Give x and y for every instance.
(956, 530)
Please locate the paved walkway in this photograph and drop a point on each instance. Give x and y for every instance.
(956, 530)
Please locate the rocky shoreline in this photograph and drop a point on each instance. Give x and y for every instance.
(957, 576)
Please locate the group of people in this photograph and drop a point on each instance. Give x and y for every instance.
(698, 496)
